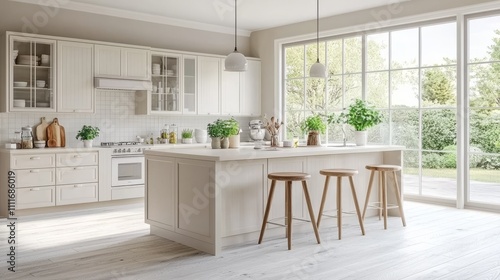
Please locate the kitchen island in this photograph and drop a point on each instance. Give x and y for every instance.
(208, 199)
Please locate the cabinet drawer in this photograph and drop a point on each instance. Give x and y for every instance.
(35, 197)
(76, 193)
(36, 177)
(127, 192)
(33, 161)
(76, 175)
(77, 159)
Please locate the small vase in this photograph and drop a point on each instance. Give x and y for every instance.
(234, 141)
(361, 138)
(274, 140)
(216, 142)
(187, 140)
(87, 143)
(224, 143)
(313, 138)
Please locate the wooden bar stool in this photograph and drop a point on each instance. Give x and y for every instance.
(382, 204)
(288, 178)
(339, 173)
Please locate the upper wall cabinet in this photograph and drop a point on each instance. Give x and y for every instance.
(208, 85)
(124, 63)
(30, 81)
(75, 75)
(240, 91)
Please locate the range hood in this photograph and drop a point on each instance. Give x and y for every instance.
(120, 84)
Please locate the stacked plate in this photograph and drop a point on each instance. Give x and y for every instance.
(156, 69)
(170, 72)
(14, 55)
(28, 60)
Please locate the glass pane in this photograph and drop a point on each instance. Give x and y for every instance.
(405, 124)
(484, 130)
(438, 176)
(439, 87)
(315, 95)
(404, 48)
(353, 55)
(438, 129)
(311, 55)
(352, 88)
(334, 92)
(334, 53)
(294, 97)
(482, 34)
(484, 178)
(379, 134)
(439, 44)
(294, 57)
(404, 88)
(189, 85)
(377, 52)
(293, 119)
(377, 89)
(484, 85)
(411, 172)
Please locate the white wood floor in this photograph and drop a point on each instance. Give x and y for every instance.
(114, 243)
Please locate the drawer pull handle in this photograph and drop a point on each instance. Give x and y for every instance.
(34, 158)
(34, 171)
(78, 186)
(77, 168)
(34, 189)
(77, 156)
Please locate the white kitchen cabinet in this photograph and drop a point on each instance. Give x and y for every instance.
(75, 76)
(76, 193)
(208, 85)
(77, 175)
(36, 177)
(161, 192)
(240, 91)
(32, 161)
(77, 159)
(35, 197)
(122, 63)
(30, 81)
(189, 82)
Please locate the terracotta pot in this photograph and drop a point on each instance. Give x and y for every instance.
(313, 138)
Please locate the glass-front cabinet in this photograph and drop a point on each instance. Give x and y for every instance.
(32, 74)
(189, 83)
(166, 80)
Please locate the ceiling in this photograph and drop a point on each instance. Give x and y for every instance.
(218, 15)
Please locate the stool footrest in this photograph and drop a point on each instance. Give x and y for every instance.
(284, 225)
(379, 206)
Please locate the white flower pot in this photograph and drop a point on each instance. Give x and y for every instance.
(187, 140)
(234, 141)
(87, 143)
(361, 137)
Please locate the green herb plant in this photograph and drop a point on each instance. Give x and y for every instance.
(215, 129)
(314, 123)
(362, 116)
(87, 132)
(233, 126)
(187, 133)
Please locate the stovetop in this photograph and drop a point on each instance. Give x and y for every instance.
(126, 147)
(121, 143)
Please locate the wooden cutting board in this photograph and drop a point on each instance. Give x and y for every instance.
(41, 130)
(56, 136)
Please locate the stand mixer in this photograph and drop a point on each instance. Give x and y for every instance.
(257, 132)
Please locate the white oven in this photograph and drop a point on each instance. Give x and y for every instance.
(127, 170)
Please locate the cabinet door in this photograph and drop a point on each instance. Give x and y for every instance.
(35, 197)
(189, 83)
(107, 61)
(160, 192)
(32, 79)
(77, 175)
(250, 90)
(135, 63)
(230, 92)
(76, 77)
(77, 193)
(208, 85)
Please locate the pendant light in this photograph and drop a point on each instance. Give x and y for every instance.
(235, 61)
(317, 69)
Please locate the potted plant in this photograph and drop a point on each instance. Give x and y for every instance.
(215, 131)
(362, 116)
(87, 135)
(314, 125)
(187, 136)
(234, 133)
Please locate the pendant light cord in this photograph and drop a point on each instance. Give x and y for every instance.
(317, 31)
(236, 25)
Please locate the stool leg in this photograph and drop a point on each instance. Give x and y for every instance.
(339, 206)
(384, 197)
(286, 209)
(323, 199)
(380, 194)
(398, 198)
(289, 213)
(355, 197)
(311, 213)
(268, 208)
(367, 199)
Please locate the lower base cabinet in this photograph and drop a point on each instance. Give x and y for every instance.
(77, 193)
(35, 197)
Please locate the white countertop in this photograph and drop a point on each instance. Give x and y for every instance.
(246, 152)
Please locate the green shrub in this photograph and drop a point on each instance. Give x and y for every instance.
(485, 131)
(450, 158)
(438, 129)
(432, 161)
(490, 162)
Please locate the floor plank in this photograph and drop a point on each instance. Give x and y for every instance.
(114, 243)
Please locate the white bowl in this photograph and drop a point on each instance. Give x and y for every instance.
(40, 145)
(201, 139)
(20, 84)
(19, 103)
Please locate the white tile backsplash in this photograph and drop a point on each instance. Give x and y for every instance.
(115, 117)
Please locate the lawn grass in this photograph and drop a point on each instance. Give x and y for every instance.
(476, 174)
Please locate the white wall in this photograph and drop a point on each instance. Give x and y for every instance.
(264, 43)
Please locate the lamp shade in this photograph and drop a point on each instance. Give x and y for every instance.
(236, 62)
(317, 70)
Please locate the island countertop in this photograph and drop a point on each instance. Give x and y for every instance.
(246, 153)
